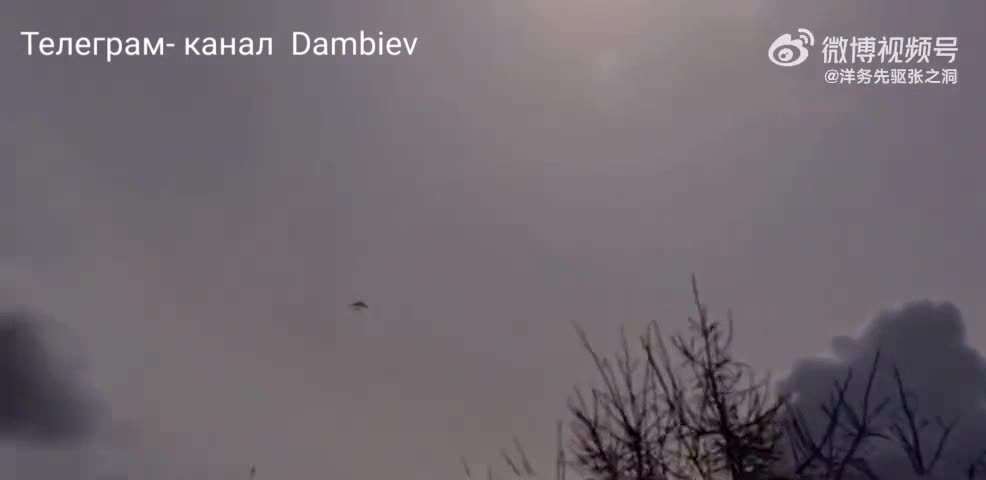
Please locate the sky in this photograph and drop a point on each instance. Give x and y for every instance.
(193, 229)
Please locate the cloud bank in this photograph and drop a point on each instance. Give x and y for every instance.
(945, 375)
(40, 403)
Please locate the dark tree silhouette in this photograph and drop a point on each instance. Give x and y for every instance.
(685, 411)
(684, 408)
(844, 445)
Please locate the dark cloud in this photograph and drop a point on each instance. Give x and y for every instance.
(927, 341)
(39, 402)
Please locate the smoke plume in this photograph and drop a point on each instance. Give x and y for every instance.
(944, 376)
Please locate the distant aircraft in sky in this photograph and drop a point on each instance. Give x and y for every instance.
(358, 305)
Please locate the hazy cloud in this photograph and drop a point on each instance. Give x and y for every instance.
(39, 402)
(946, 375)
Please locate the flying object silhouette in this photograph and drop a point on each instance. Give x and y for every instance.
(358, 305)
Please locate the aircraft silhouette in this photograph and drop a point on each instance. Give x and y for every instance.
(358, 305)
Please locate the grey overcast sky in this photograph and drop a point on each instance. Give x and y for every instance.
(196, 227)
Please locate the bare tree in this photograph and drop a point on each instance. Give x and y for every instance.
(691, 411)
(853, 432)
(976, 467)
(847, 430)
(685, 409)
